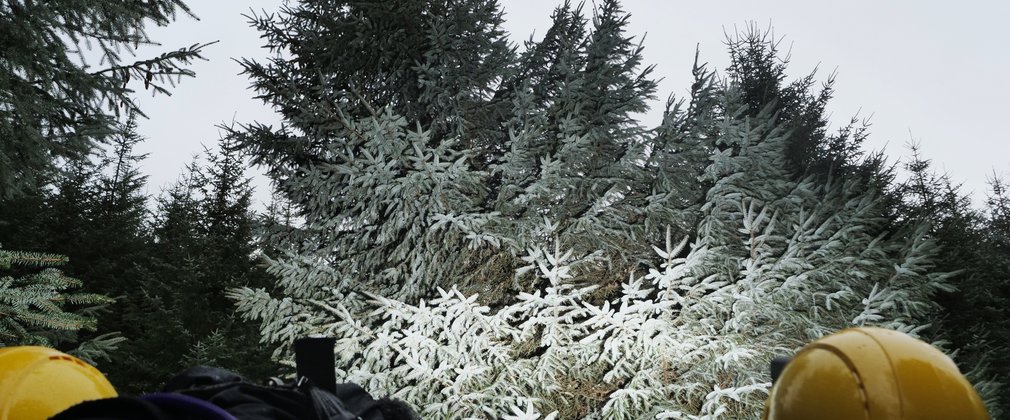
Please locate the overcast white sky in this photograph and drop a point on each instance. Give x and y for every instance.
(935, 71)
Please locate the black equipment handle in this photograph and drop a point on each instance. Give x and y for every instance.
(778, 364)
(314, 361)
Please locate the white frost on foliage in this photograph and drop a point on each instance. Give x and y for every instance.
(683, 341)
(774, 263)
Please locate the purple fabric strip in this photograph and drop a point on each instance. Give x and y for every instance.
(185, 404)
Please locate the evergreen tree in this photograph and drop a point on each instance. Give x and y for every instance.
(94, 214)
(57, 109)
(70, 207)
(776, 262)
(678, 155)
(169, 276)
(592, 317)
(436, 63)
(58, 220)
(594, 146)
(149, 314)
(122, 202)
(111, 240)
(345, 133)
(973, 245)
(925, 199)
(39, 307)
(176, 313)
(229, 260)
(56, 105)
(759, 68)
(544, 68)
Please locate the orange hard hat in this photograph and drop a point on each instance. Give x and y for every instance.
(39, 382)
(872, 374)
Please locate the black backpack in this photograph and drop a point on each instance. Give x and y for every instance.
(204, 393)
(207, 393)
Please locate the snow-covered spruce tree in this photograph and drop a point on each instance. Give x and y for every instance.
(733, 257)
(572, 151)
(776, 262)
(388, 212)
(575, 147)
(545, 66)
(380, 137)
(678, 153)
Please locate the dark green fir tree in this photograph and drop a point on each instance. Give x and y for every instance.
(58, 105)
(202, 244)
(58, 109)
(40, 305)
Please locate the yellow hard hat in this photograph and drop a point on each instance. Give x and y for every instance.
(872, 374)
(39, 382)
